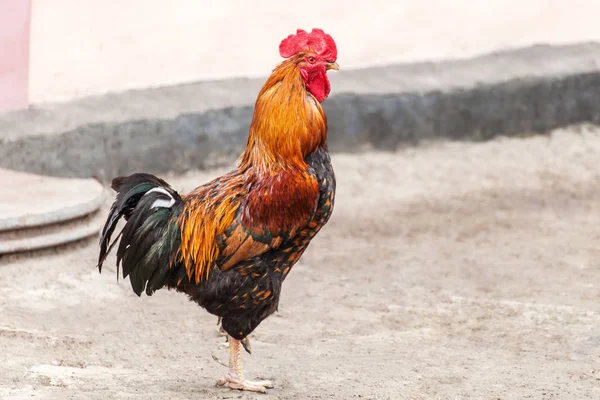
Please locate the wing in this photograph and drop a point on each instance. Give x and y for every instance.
(233, 219)
(216, 237)
(238, 243)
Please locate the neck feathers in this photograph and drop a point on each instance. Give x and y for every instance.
(288, 123)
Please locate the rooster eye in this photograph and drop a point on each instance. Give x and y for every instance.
(311, 60)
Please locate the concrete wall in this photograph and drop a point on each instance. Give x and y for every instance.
(204, 125)
(82, 48)
(14, 53)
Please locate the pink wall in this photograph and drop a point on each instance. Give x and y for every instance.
(14, 53)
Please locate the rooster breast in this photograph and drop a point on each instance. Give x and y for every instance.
(247, 293)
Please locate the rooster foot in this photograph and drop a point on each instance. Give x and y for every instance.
(235, 377)
(252, 386)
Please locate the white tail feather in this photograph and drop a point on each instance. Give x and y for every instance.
(161, 202)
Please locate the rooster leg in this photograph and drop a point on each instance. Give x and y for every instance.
(235, 378)
(245, 341)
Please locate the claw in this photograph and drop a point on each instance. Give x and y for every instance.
(246, 343)
(217, 359)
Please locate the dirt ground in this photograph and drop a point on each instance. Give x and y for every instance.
(448, 271)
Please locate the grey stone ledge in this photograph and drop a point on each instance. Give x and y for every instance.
(201, 125)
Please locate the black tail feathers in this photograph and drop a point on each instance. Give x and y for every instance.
(151, 235)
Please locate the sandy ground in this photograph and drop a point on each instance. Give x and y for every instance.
(448, 271)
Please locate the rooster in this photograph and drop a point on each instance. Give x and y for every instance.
(230, 243)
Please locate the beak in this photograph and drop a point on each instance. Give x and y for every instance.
(334, 66)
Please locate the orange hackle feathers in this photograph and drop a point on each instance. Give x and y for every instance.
(288, 124)
(210, 209)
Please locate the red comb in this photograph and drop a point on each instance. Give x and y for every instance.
(317, 41)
